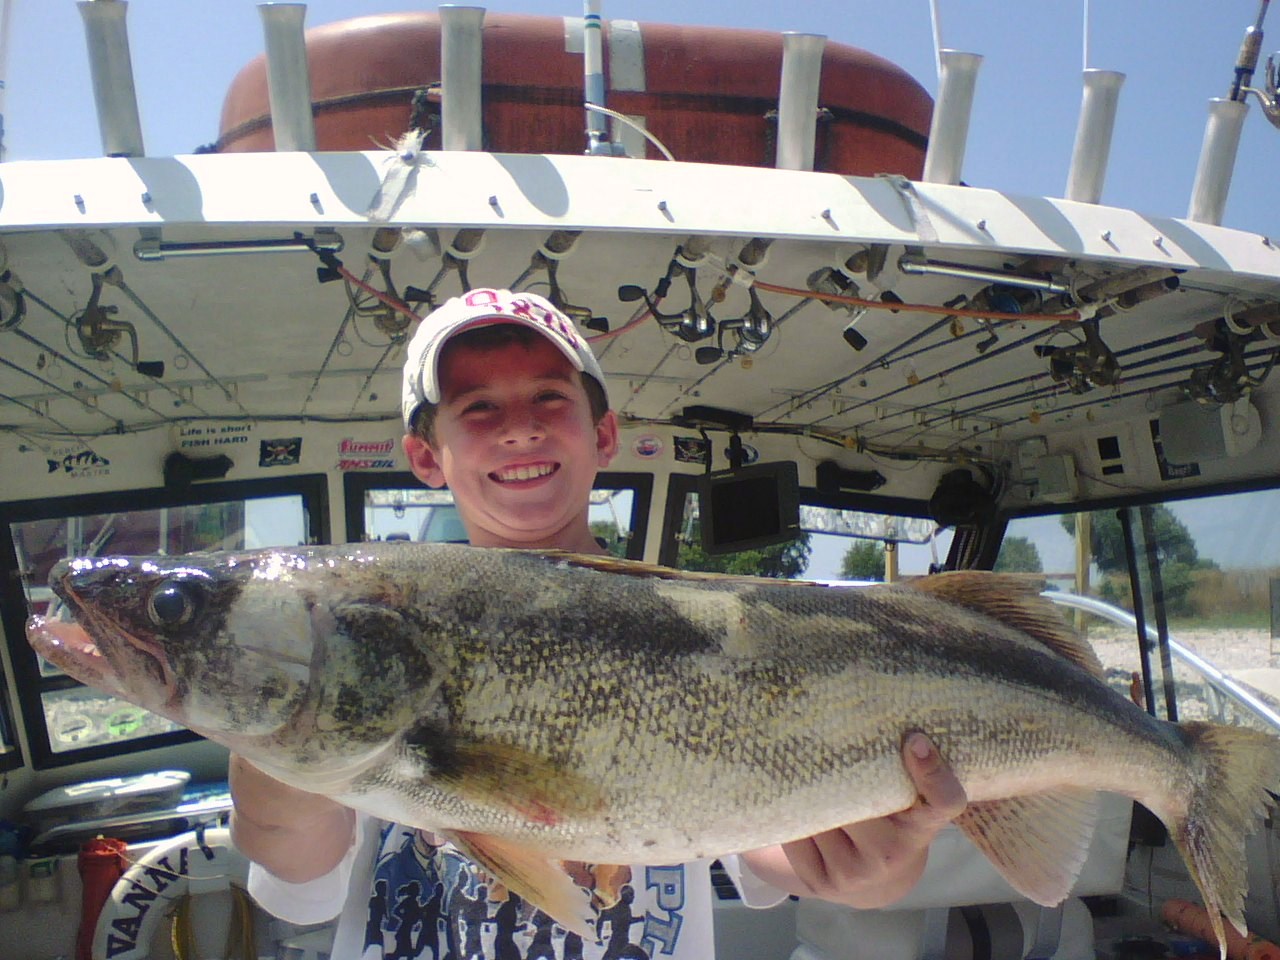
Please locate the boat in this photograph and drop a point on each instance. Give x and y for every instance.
(834, 349)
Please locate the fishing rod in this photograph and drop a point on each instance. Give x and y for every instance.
(177, 395)
(1020, 381)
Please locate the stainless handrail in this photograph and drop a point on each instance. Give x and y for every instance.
(1220, 685)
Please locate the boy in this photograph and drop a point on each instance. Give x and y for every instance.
(505, 403)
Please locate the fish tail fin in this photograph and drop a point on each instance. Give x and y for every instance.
(1235, 769)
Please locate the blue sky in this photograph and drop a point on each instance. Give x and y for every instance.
(1176, 53)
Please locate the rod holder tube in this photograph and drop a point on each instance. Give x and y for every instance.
(1092, 148)
(949, 129)
(1217, 160)
(593, 77)
(288, 76)
(918, 266)
(111, 68)
(798, 100)
(461, 73)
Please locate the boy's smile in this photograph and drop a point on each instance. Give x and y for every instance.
(515, 443)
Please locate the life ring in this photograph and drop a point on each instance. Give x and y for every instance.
(197, 862)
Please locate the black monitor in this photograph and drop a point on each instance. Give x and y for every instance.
(755, 506)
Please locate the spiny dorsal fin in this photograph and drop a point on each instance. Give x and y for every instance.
(1037, 843)
(1014, 600)
(638, 568)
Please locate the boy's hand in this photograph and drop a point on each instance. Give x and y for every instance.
(876, 862)
(296, 835)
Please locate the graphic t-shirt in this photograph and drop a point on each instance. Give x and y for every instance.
(423, 900)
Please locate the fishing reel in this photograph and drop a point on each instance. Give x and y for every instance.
(1086, 364)
(692, 324)
(99, 333)
(1226, 380)
(753, 329)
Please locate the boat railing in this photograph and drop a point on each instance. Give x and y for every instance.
(1222, 693)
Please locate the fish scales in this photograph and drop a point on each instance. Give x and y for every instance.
(584, 708)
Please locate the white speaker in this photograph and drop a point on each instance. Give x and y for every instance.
(1192, 432)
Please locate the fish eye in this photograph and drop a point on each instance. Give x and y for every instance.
(173, 603)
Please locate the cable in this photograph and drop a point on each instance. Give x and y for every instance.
(623, 118)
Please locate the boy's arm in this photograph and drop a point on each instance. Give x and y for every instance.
(877, 862)
(297, 836)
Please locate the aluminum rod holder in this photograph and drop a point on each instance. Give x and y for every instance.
(1093, 135)
(949, 129)
(288, 76)
(798, 100)
(1217, 160)
(461, 76)
(110, 66)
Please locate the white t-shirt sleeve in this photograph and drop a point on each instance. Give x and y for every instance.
(313, 901)
(754, 891)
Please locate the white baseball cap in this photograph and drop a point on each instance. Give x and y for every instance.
(479, 308)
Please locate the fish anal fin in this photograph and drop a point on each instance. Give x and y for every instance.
(536, 879)
(485, 771)
(1038, 843)
(1014, 600)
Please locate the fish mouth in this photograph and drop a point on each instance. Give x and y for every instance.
(90, 650)
(70, 648)
(524, 472)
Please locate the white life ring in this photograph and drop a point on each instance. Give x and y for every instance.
(143, 896)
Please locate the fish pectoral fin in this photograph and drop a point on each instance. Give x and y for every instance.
(529, 874)
(1038, 843)
(534, 787)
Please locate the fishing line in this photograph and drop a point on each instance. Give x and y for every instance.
(1055, 388)
(173, 337)
(68, 323)
(85, 370)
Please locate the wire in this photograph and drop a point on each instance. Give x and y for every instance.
(1070, 315)
(398, 305)
(637, 318)
(623, 118)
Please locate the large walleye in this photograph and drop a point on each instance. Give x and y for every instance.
(540, 707)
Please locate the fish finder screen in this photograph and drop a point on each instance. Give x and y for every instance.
(754, 506)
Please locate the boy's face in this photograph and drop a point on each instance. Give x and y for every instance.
(515, 443)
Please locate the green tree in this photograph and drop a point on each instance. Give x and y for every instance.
(782, 561)
(607, 531)
(1175, 551)
(864, 560)
(1018, 555)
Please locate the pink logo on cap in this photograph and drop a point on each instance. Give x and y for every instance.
(528, 310)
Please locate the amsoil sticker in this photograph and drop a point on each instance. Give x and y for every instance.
(280, 453)
(77, 462)
(366, 454)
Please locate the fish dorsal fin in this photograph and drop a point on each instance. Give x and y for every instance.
(1014, 600)
(638, 568)
(538, 880)
(1037, 843)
